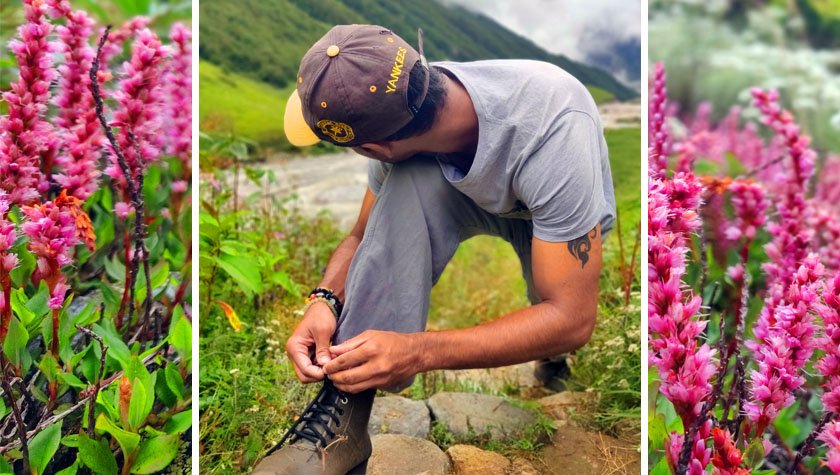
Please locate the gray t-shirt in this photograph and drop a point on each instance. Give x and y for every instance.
(541, 150)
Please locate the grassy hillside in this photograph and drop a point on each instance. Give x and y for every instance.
(235, 103)
(265, 39)
(229, 102)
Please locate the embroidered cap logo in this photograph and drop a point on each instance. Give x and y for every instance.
(338, 131)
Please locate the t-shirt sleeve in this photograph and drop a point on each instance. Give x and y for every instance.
(561, 182)
(377, 171)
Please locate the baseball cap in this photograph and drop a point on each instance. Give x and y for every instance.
(352, 87)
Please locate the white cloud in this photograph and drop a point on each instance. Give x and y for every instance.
(576, 28)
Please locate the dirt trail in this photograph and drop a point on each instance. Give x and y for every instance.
(336, 182)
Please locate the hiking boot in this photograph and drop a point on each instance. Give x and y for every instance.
(553, 373)
(330, 437)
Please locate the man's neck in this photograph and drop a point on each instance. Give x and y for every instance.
(455, 132)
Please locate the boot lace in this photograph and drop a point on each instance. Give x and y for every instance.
(313, 424)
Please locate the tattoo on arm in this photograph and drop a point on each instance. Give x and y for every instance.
(581, 246)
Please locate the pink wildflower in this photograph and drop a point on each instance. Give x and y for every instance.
(8, 262)
(784, 342)
(178, 83)
(139, 98)
(24, 134)
(831, 436)
(700, 454)
(657, 130)
(829, 365)
(123, 210)
(81, 136)
(750, 208)
(684, 366)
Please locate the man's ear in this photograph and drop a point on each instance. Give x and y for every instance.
(379, 149)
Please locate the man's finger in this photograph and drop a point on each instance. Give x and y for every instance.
(348, 345)
(301, 360)
(344, 362)
(352, 377)
(322, 349)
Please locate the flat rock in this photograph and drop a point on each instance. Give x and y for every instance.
(399, 415)
(519, 376)
(397, 454)
(520, 466)
(468, 460)
(559, 406)
(575, 450)
(460, 412)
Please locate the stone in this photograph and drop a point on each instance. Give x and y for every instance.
(397, 454)
(520, 466)
(561, 405)
(399, 415)
(520, 377)
(468, 460)
(460, 412)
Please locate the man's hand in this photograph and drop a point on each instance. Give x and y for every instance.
(374, 359)
(312, 338)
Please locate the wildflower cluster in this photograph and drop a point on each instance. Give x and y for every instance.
(768, 202)
(63, 246)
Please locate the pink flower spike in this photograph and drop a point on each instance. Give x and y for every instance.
(831, 437)
(25, 137)
(81, 137)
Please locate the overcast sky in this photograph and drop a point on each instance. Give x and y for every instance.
(605, 33)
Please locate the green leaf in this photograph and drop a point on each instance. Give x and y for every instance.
(661, 468)
(156, 454)
(163, 393)
(283, 280)
(137, 412)
(42, 447)
(754, 454)
(179, 422)
(242, 271)
(117, 349)
(18, 301)
(71, 380)
(49, 367)
(174, 381)
(657, 431)
(70, 440)
(180, 336)
(5, 467)
(15, 346)
(71, 470)
(20, 274)
(97, 456)
(128, 440)
(115, 269)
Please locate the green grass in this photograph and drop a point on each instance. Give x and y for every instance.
(249, 394)
(600, 95)
(232, 103)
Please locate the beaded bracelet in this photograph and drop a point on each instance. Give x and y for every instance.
(328, 297)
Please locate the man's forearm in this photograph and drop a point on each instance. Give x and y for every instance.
(335, 275)
(534, 332)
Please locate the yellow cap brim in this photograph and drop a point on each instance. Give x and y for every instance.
(295, 126)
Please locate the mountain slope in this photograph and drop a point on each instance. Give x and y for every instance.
(265, 39)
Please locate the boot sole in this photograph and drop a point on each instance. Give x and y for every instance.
(360, 469)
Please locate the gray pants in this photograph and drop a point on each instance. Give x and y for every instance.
(414, 228)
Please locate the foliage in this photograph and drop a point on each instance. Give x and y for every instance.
(242, 36)
(95, 304)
